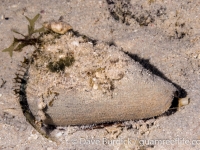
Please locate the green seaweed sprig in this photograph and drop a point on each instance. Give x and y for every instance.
(19, 44)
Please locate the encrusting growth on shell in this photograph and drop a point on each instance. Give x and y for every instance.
(41, 105)
(41, 114)
(57, 26)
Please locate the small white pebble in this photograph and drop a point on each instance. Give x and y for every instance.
(75, 43)
(0, 95)
(61, 56)
(94, 79)
(100, 2)
(33, 137)
(14, 6)
(2, 17)
(95, 86)
(59, 134)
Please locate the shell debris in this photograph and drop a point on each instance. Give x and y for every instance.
(183, 102)
(58, 26)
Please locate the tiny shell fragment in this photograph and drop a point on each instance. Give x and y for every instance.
(58, 26)
(184, 101)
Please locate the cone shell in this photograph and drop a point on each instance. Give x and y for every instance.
(93, 84)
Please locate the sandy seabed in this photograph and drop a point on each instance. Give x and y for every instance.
(162, 33)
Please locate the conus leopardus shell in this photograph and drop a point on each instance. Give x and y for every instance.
(74, 82)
